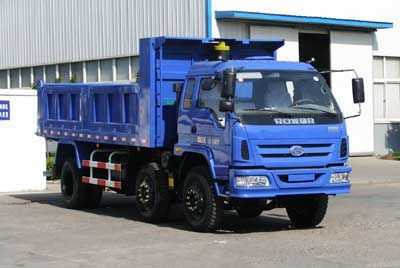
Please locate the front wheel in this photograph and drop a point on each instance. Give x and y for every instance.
(307, 211)
(203, 209)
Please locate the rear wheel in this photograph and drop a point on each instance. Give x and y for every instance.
(77, 194)
(72, 188)
(250, 208)
(203, 209)
(307, 211)
(152, 196)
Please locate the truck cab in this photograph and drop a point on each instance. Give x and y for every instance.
(272, 132)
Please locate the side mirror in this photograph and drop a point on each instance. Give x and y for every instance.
(229, 77)
(226, 106)
(208, 84)
(358, 90)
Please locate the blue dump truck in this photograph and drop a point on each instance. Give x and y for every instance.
(213, 125)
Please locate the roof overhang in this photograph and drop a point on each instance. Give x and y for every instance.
(269, 18)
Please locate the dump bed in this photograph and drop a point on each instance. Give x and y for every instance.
(104, 113)
(141, 114)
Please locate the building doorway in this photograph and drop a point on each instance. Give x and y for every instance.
(316, 46)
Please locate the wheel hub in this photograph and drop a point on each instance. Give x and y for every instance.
(195, 201)
(145, 194)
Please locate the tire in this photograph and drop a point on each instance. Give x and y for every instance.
(203, 209)
(72, 188)
(307, 211)
(250, 208)
(77, 194)
(152, 196)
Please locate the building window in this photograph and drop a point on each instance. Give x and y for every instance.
(14, 78)
(122, 65)
(38, 74)
(92, 71)
(386, 71)
(134, 68)
(51, 73)
(63, 72)
(77, 72)
(3, 79)
(106, 70)
(26, 77)
(392, 68)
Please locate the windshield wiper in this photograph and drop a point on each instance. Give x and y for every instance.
(316, 109)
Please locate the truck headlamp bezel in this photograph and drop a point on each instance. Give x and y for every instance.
(252, 181)
(340, 177)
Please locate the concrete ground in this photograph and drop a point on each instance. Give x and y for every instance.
(374, 170)
(360, 230)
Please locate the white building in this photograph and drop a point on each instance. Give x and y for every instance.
(97, 40)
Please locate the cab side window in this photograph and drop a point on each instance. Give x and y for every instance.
(210, 99)
(187, 101)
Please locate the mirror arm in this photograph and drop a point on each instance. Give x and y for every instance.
(356, 115)
(356, 75)
(340, 71)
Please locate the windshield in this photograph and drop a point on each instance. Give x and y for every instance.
(285, 94)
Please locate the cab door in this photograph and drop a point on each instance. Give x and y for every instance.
(186, 133)
(209, 124)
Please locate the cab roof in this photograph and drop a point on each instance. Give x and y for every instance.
(213, 67)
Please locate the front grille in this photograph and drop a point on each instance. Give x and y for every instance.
(289, 155)
(283, 150)
(270, 146)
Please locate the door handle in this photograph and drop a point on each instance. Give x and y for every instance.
(194, 129)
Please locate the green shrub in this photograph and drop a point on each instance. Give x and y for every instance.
(396, 153)
(50, 161)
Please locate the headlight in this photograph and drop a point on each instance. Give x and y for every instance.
(339, 177)
(252, 181)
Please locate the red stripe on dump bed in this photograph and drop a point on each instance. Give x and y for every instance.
(86, 163)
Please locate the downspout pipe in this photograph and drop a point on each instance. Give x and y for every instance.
(208, 18)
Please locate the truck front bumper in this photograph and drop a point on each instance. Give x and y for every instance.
(288, 182)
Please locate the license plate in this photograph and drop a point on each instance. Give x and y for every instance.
(301, 177)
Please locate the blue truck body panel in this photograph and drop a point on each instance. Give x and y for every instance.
(145, 114)
(103, 113)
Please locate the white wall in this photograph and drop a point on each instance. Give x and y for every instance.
(232, 29)
(290, 51)
(353, 50)
(22, 153)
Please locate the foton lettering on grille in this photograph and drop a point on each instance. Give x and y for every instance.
(294, 121)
